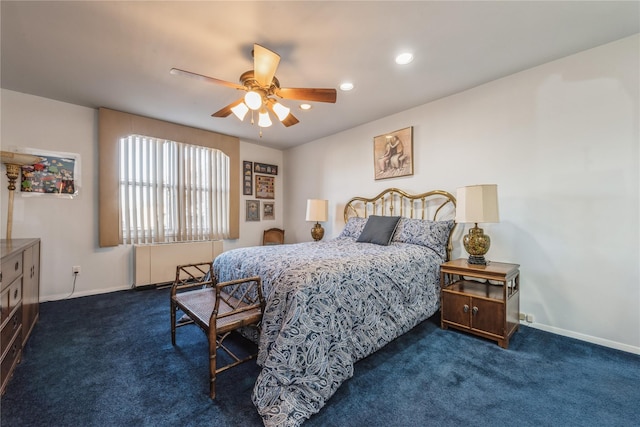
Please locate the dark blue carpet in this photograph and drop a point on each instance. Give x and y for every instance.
(107, 360)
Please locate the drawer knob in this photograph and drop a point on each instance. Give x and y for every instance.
(15, 294)
(465, 308)
(17, 266)
(475, 310)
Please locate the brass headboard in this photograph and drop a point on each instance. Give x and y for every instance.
(436, 205)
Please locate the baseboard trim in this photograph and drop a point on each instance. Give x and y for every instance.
(59, 297)
(588, 338)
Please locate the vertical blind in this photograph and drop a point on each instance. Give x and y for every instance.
(172, 192)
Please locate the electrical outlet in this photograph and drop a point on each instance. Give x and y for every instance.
(76, 269)
(523, 316)
(530, 318)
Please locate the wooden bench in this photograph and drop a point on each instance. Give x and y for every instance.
(216, 308)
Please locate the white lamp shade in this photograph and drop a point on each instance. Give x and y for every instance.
(240, 110)
(477, 204)
(264, 121)
(281, 111)
(317, 210)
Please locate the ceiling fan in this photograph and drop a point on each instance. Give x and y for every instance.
(262, 90)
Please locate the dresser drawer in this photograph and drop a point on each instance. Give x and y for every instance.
(10, 358)
(11, 268)
(10, 299)
(11, 329)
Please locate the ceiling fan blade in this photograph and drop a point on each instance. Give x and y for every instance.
(265, 64)
(179, 72)
(307, 94)
(290, 120)
(225, 111)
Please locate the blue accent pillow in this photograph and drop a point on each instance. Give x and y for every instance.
(379, 230)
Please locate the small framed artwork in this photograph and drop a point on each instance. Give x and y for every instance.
(268, 211)
(265, 168)
(393, 154)
(247, 178)
(253, 210)
(265, 187)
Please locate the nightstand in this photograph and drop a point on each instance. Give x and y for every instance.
(481, 299)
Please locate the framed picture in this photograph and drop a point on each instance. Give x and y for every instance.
(253, 210)
(265, 187)
(247, 178)
(268, 211)
(264, 168)
(57, 174)
(393, 154)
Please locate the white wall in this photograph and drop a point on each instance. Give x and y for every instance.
(561, 142)
(68, 228)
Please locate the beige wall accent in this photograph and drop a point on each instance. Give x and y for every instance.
(113, 125)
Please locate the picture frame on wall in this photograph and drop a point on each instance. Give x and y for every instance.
(56, 174)
(268, 211)
(393, 154)
(247, 178)
(253, 210)
(265, 187)
(265, 168)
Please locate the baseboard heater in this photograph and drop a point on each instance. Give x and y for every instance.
(156, 264)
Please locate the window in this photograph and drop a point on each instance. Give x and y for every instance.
(113, 126)
(171, 191)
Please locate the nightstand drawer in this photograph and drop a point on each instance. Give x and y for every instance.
(473, 313)
(487, 316)
(456, 309)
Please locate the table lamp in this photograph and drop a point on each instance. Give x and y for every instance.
(317, 210)
(477, 204)
(13, 162)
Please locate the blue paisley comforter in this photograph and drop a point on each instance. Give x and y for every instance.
(329, 304)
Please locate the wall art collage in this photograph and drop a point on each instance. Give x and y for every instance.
(261, 177)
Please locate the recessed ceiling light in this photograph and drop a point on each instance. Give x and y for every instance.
(305, 106)
(346, 86)
(404, 58)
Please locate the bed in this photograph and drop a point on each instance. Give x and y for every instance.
(333, 302)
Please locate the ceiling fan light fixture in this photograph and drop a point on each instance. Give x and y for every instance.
(264, 121)
(281, 111)
(240, 110)
(305, 106)
(253, 100)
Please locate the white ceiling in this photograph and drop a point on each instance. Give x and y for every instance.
(118, 54)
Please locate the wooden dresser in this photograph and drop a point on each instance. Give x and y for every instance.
(20, 283)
